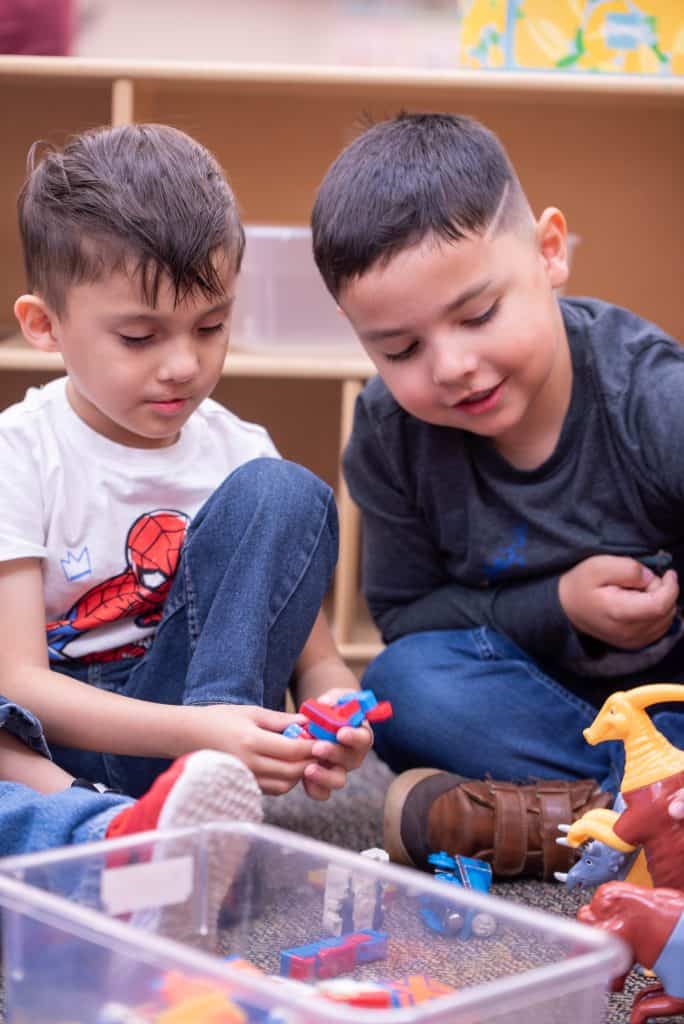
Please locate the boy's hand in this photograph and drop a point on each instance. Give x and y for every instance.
(334, 760)
(619, 601)
(254, 735)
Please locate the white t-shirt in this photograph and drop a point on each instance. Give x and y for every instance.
(107, 520)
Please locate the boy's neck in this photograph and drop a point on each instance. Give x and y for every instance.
(534, 439)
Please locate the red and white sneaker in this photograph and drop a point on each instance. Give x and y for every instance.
(200, 788)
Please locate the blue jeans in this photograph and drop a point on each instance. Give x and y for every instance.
(256, 564)
(473, 703)
(31, 821)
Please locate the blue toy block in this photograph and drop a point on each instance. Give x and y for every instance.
(367, 700)
(293, 731)
(320, 733)
(374, 949)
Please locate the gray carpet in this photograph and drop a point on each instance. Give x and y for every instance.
(353, 819)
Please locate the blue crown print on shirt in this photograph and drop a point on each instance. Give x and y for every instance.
(76, 567)
(506, 557)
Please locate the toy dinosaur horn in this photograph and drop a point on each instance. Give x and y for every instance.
(655, 693)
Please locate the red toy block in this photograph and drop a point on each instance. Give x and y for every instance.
(327, 716)
(303, 968)
(334, 960)
(381, 712)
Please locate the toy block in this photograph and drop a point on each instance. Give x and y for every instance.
(214, 1008)
(334, 960)
(325, 715)
(355, 993)
(319, 733)
(367, 700)
(243, 965)
(381, 713)
(352, 709)
(302, 968)
(294, 730)
(299, 962)
(415, 988)
(375, 948)
(177, 987)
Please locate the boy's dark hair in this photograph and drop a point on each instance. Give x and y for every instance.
(403, 179)
(143, 197)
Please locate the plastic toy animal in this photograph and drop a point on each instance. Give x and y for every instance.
(654, 772)
(651, 921)
(602, 863)
(598, 863)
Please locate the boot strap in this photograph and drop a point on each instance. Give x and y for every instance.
(510, 828)
(555, 808)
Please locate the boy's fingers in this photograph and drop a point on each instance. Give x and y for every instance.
(315, 790)
(645, 606)
(352, 747)
(328, 775)
(359, 739)
(273, 767)
(283, 748)
(276, 721)
(621, 571)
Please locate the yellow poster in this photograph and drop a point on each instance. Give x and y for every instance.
(621, 36)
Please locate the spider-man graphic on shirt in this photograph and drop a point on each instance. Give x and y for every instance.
(153, 547)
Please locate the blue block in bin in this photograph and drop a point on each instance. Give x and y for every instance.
(375, 949)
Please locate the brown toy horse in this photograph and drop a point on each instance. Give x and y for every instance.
(651, 922)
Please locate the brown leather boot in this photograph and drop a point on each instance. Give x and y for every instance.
(512, 827)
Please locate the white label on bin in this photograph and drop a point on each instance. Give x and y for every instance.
(141, 886)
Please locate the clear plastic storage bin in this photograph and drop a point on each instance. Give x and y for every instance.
(113, 933)
(281, 299)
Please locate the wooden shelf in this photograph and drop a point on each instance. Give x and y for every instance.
(354, 79)
(606, 149)
(321, 364)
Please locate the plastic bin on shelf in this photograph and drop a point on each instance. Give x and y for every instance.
(112, 933)
(281, 300)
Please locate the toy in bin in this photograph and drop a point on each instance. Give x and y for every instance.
(442, 915)
(326, 720)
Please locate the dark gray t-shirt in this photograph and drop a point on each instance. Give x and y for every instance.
(455, 537)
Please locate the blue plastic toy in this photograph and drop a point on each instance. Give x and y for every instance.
(443, 916)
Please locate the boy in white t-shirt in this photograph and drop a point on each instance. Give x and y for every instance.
(161, 569)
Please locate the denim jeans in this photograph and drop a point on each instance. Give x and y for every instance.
(31, 821)
(473, 703)
(256, 563)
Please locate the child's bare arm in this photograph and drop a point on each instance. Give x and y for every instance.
(76, 714)
(323, 675)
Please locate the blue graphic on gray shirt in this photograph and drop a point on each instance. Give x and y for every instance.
(506, 557)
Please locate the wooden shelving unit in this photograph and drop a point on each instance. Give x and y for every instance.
(608, 150)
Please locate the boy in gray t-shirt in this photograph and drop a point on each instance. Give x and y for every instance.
(518, 467)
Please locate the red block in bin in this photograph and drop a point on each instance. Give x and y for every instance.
(334, 960)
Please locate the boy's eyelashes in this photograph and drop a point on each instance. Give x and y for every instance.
(141, 339)
(472, 322)
(396, 357)
(477, 321)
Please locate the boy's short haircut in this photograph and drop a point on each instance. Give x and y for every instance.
(403, 179)
(143, 198)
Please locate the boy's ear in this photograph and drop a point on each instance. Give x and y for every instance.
(552, 239)
(37, 322)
